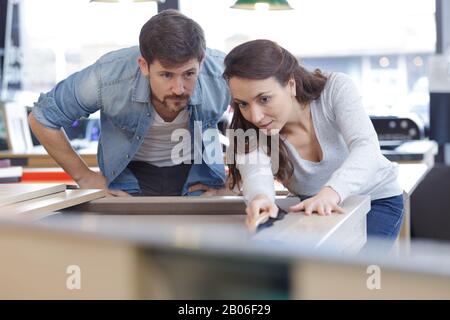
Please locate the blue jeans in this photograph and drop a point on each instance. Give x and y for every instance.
(385, 218)
(159, 181)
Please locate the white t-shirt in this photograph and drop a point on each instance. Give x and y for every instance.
(158, 148)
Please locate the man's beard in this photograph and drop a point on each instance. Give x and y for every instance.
(174, 102)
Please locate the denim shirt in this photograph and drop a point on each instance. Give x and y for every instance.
(115, 86)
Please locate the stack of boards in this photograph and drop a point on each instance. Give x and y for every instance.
(35, 201)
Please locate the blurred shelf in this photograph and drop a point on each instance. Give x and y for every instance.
(39, 158)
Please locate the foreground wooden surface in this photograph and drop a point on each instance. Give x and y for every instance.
(130, 248)
(125, 254)
(36, 264)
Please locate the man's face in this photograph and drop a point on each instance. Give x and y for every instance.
(171, 86)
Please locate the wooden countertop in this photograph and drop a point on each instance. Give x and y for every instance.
(411, 174)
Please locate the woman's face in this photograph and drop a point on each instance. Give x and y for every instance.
(265, 103)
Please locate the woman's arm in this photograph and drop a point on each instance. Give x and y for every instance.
(258, 187)
(359, 135)
(256, 173)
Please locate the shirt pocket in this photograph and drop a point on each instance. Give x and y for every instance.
(126, 121)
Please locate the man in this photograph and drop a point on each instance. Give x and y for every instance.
(171, 83)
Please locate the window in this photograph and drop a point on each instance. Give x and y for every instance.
(62, 37)
(383, 45)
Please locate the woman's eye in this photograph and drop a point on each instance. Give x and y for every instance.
(265, 99)
(240, 105)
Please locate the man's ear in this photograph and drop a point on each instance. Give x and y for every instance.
(143, 65)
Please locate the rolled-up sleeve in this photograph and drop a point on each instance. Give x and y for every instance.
(71, 99)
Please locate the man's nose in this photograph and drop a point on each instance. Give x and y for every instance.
(178, 87)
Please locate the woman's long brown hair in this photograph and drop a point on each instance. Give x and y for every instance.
(263, 59)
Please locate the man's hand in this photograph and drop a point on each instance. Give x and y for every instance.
(96, 180)
(92, 180)
(323, 203)
(209, 192)
(259, 210)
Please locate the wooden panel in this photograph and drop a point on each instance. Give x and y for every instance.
(326, 280)
(174, 205)
(351, 233)
(343, 232)
(35, 264)
(13, 193)
(43, 160)
(164, 205)
(411, 175)
(191, 228)
(41, 207)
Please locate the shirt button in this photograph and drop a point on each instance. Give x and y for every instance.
(138, 137)
(148, 114)
(113, 172)
(128, 156)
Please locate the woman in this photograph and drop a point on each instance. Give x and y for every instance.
(328, 148)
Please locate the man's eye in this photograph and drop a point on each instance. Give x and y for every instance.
(189, 75)
(166, 75)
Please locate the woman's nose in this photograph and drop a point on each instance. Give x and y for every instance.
(256, 115)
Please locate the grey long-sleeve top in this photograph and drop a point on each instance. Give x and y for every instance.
(352, 162)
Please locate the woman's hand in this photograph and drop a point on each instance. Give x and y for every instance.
(323, 203)
(259, 210)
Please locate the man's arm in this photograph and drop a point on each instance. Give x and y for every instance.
(58, 147)
(71, 99)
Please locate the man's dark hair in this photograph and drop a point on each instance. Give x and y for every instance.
(172, 39)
